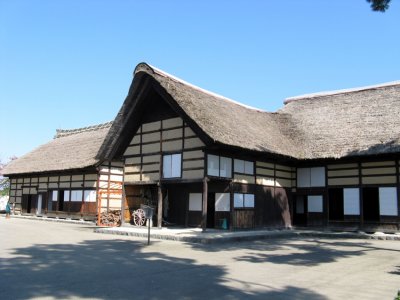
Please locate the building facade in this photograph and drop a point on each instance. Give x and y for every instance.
(327, 159)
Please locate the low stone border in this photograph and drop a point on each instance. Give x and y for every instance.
(57, 220)
(237, 236)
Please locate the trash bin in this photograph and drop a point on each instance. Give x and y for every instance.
(223, 223)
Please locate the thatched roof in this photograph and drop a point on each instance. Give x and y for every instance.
(346, 123)
(361, 121)
(70, 149)
(220, 120)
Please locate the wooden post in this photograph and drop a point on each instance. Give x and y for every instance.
(232, 211)
(361, 193)
(123, 200)
(205, 199)
(160, 205)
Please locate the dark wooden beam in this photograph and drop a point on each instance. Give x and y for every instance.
(361, 194)
(232, 211)
(205, 199)
(160, 205)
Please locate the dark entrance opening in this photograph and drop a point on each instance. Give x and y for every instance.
(300, 210)
(61, 200)
(336, 210)
(211, 210)
(29, 204)
(371, 203)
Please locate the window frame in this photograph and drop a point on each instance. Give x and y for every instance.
(236, 162)
(243, 200)
(193, 206)
(171, 154)
(230, 175)
(306, 177)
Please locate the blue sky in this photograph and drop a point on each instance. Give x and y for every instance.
(69, 63)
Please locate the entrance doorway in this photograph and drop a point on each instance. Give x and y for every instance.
(300, 210)
(29, 204)
(371, 204)
(60, 200)
(211, 210)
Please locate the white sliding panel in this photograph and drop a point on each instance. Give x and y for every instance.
(388, 201)
(318, 176)
(238, 200)
(195, 201)
(76, 196)
(225, 167)
(212, 165)
(90, 196)
(222, 202)
(315, 204)
(351, 201)
(249, 200)
(303, 177)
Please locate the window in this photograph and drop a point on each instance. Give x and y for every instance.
(311, 177)
(54, 196)
(379, 201)
(315, 204)
(243, 200)
(213, 165)
(343, 202)
(225, 167)
(76, 196)
(172, 165)
(195, 201)
(90, 196)
(219, 166)
(222, 202)
(244, 166)
(66, 196)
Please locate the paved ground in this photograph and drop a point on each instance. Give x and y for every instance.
(66, 261)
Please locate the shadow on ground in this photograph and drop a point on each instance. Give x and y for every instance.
(300, 252)
(119, 269)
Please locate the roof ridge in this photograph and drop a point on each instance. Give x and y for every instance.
(341, 91)
(66, 132)
(177, 79)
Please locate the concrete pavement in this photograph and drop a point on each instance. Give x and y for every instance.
(42, 260)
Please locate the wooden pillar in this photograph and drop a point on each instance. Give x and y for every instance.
(361, 193)
(398, 192)
(205, 199)
(232, 210)
(160, 205)
(123, 200)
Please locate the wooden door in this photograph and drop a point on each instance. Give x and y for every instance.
(300, 210)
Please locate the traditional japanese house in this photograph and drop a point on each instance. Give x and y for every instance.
(200, 159)
(64, 179)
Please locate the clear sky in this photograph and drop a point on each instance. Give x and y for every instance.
(69, 63)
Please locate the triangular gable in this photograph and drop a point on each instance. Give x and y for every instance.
(146, 102)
